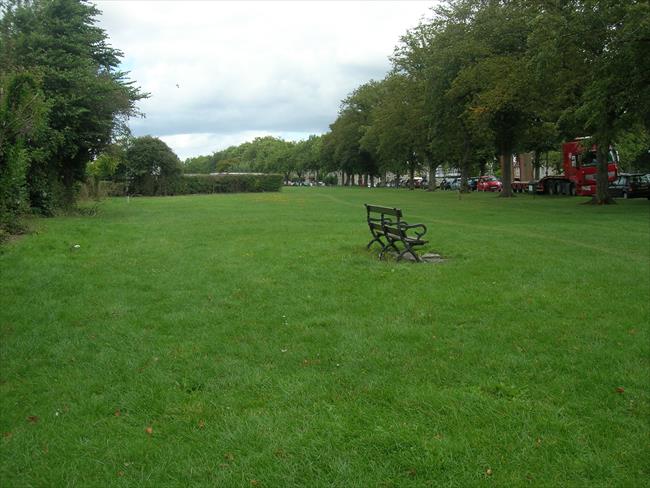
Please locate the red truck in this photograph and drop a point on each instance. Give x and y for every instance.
(580, 169)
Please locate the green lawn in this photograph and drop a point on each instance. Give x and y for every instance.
(251, 340)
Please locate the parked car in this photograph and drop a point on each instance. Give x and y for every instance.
(455, 184)
(472, 183)
(446, 181)
(489, 183)
(630, 185)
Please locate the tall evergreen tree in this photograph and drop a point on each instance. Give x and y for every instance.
(90, 98)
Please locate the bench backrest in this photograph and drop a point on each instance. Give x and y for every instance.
(392, 211)
(394, 231)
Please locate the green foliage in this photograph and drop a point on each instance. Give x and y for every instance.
(151, 167)
(242, 183)
(104, 167)
(23, 115)
(195, 184)
(200, 164)
(13, 192)
(633, 147)
(348, 130)
(89, 98)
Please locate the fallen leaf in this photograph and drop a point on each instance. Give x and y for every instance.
(411, 472)
(620, 389)
(117, 413)
(201, 424)
(149, 430)
(488, 472)
(33, 419)
(120, 473)
(255, 483)
(229, 456)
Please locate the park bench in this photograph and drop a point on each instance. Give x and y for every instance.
(391, 232)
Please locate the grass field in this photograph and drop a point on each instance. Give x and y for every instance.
(251, 340)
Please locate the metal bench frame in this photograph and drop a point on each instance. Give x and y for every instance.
(386, 224)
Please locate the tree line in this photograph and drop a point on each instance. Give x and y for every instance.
(475, 82)
(63, 100)
(478, 81)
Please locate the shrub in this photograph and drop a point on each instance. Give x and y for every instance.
(233, 183)
(223, 183)
(330, 180)
(12, 189)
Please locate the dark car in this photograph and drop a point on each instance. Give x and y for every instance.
(630, 185)
(472, 183)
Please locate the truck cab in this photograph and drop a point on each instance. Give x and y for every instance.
(579, 159)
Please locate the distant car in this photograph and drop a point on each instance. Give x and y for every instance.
(472, 183)
(630, 185)
(455, 184)
(446, 181)
(488, 183)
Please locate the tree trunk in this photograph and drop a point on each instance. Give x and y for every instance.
(464, 170)
(536, 165)
(68, 187)
(481, 167)
(464, 166)
(506, 170)
(412, 177)
(602, 196)
(432, 177)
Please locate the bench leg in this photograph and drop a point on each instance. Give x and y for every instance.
(376, 239)
(408, 249)
(411, 252)
(391, 244)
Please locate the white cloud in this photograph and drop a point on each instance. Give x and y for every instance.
(250, 68)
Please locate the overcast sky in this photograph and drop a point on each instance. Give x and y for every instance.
(222, 73)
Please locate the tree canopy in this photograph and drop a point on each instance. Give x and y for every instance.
(88, 99)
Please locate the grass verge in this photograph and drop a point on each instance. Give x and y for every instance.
(239, 340)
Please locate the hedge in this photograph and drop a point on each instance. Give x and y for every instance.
(224, 183)
(229, 183)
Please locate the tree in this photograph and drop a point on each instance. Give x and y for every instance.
(152, 168)
(23, 113)
(349, 128)
(614, 37)
(495, 85)
(590, 59)
(89, 97)
(199, 164)
(397, 132)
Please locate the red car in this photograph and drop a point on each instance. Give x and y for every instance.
(488, 183)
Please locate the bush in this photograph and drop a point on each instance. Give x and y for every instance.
(13, 200)
(241, 183)
(188, 185)
(331, 180)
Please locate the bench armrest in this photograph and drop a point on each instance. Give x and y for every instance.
(419, 233)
